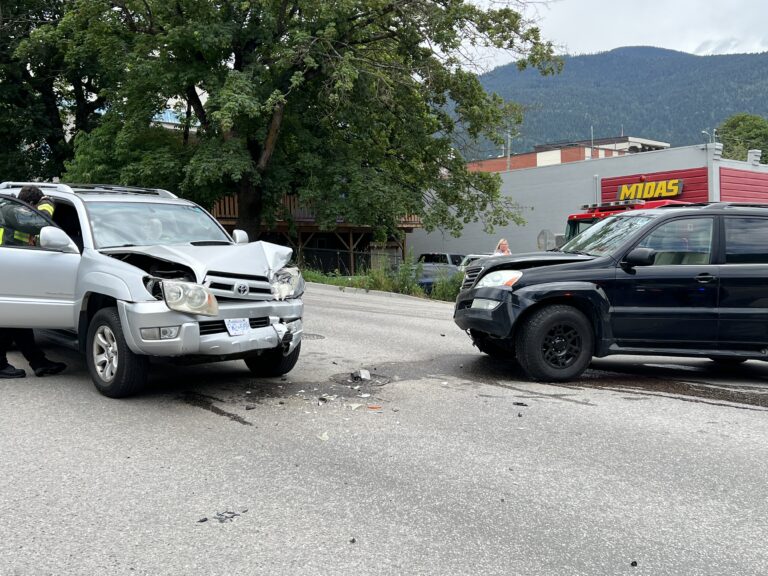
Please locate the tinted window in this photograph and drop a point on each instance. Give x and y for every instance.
(456, 259)
(746, 240)
(607, 235)
(682, 241)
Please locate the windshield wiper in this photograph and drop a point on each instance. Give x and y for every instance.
(210, 243)
(576, 252)
(117, 246)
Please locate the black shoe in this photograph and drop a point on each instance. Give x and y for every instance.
(47, 367)
(9, 371)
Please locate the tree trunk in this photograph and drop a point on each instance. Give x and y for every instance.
(250, 203)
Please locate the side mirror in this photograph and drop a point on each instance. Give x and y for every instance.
(559, 240)
(240, 236)
(55, 239)
(639, 257)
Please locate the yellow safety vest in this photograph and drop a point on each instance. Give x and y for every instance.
(46, 206)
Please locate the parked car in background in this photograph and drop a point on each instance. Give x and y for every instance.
(679, 281)
(436, 265)
(125, 274)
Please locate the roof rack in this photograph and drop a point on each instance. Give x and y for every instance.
(42, 185)
(117, 189)
(724, 205)
(91, 188)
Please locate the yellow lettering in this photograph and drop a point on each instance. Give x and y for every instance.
(649, 189)
(629, 191)
(674, 188)
(661, 189)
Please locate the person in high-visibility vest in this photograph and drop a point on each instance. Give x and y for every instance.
(16, 230)
(19, 235)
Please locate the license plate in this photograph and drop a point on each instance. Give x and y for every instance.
(237, 326)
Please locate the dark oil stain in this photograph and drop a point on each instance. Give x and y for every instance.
(206, 403)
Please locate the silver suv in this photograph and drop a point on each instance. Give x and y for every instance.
(127, 273)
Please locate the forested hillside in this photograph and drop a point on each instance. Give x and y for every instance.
(648, 92)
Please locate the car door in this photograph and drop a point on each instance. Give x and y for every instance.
(743, 320)
(37, 286)
(672, 303)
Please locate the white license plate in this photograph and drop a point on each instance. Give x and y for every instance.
(237, 326)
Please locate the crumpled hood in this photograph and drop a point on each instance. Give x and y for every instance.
(531, 260)
(253, 259)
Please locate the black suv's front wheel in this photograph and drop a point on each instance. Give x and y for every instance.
(555, 344)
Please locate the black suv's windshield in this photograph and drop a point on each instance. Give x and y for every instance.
(145, 224)
(605, 236)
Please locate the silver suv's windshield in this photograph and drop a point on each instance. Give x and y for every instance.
(117, 224)
(607, 235)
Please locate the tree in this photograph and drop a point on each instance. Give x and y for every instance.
(741, 133)
(45, 96)
(351, 105)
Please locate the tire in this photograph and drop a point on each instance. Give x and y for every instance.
(501, 349)
(272, 362)
(727, 360)
(555, 344)
(115, 370)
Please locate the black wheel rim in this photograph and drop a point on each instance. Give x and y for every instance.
(562, 346)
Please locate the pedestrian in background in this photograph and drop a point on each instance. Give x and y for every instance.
(502, 248)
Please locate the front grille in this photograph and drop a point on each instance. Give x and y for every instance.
(238, 286)
(209, 327)
(470, 276)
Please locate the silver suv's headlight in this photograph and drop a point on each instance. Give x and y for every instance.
(499, 278)
(189, 297)
(287, 283)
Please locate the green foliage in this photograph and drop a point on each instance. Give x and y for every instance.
(741, 133)
(49, 88)
(447, 287)
(351, 106)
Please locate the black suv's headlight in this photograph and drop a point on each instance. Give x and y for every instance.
(287, 283)
(499, 278)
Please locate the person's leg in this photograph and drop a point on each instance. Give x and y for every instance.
(6, 370)
(25, 340)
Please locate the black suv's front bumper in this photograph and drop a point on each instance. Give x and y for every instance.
(497, 321)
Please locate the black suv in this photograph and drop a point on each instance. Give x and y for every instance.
(676, 281)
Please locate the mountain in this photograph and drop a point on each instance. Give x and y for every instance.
(648, 92)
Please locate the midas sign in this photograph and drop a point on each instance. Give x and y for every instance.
(649, 190)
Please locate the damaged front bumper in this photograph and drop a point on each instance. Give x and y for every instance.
(269, 324)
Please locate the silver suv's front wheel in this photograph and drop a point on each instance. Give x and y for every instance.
(115, 370)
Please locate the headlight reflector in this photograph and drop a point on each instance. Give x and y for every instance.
(499, 278)
(287, 283)
(189, 297)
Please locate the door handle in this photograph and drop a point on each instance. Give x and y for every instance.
(704, 278)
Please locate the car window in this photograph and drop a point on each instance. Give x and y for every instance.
(20, 224)
(456, 259)
(433, 258)
(146, 224)
(683, 241)
(746, 240)
(607, 235)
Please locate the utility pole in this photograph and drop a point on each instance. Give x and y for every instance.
(509, 150)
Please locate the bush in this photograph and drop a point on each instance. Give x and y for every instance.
(447, 287)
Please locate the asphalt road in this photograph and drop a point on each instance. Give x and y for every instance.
(445, 462)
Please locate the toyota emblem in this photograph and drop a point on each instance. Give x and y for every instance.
(241, 288)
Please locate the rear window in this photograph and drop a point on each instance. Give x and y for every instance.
(746, 240)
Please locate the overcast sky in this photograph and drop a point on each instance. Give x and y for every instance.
(694, 26)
